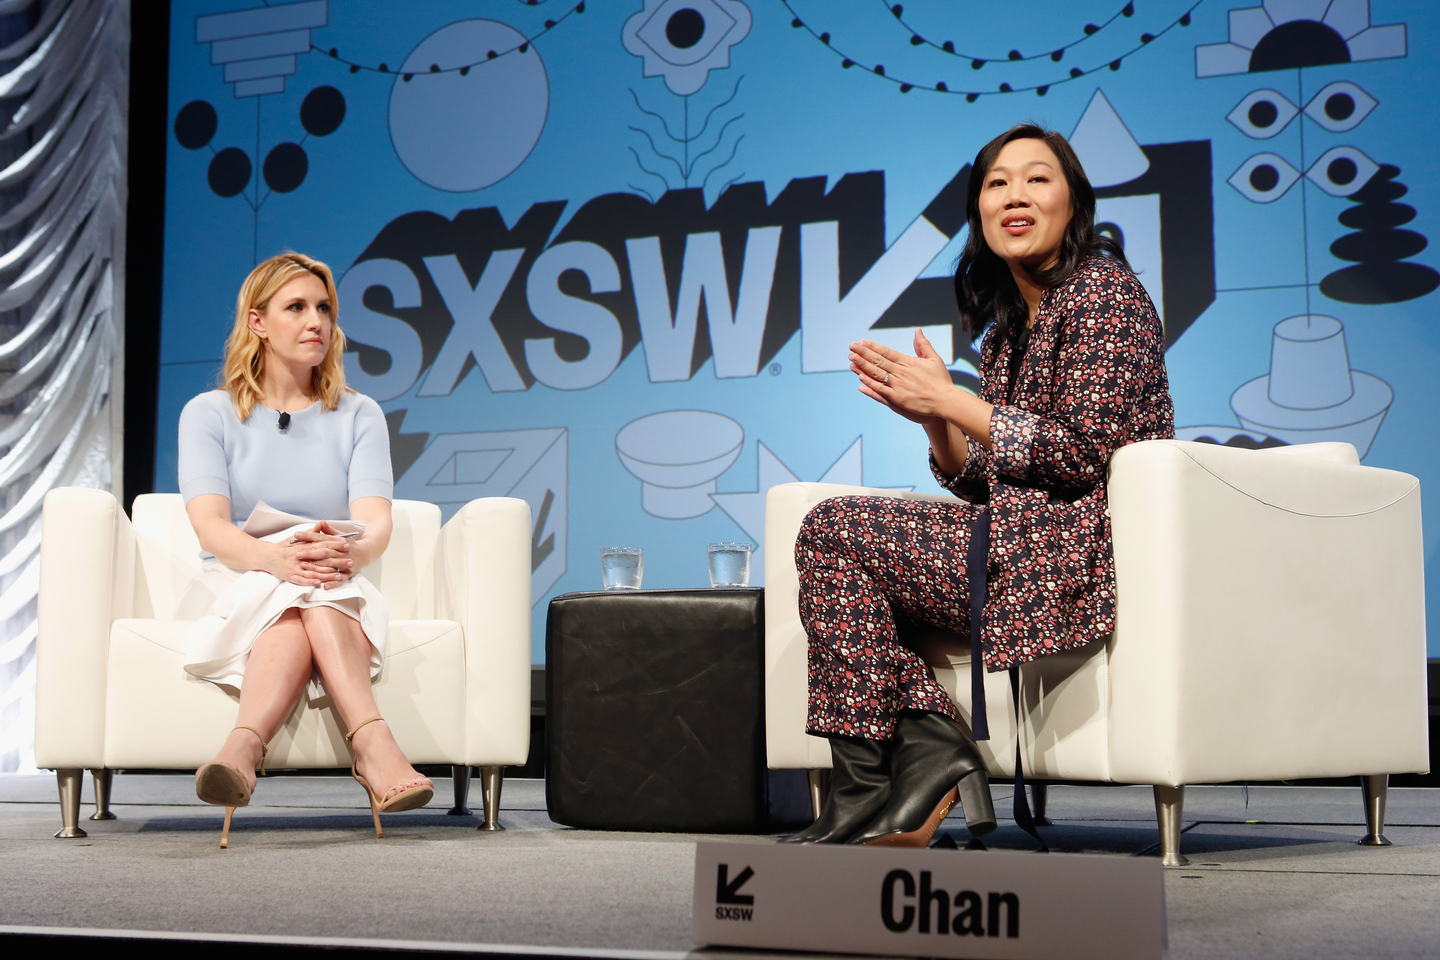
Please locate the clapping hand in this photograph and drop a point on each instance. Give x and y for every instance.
(914, 387)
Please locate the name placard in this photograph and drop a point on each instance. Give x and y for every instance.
(929, 903)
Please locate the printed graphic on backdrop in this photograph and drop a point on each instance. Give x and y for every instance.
(1311, 392)
(454, 468)
(608, 256)
(458, 134)
(258, 50)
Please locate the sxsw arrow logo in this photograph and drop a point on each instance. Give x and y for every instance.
(725, 888)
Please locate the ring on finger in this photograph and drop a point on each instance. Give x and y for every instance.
(886, 381)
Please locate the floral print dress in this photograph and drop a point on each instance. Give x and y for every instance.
(1091, 381)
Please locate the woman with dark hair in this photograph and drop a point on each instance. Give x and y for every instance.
(1072, 369)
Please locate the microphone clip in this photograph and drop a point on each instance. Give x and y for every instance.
(284, 422)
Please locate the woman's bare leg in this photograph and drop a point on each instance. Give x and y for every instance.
(275, 675)
(342, 653)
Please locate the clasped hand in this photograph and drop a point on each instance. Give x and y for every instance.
(319, 557)
(914, 387)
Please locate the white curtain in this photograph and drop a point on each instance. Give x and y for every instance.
(64, 94)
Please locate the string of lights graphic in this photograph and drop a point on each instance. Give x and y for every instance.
(971, 94)
(1056, 54)
(463, 69)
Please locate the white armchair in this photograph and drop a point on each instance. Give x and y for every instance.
(111, 693)
(1270, 626)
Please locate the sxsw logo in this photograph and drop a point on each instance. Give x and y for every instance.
(561, 300)
(726, 893)
(901, 909)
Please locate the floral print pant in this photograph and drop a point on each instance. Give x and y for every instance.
(864, 564)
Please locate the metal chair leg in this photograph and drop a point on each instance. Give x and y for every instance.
(1169, 804)
(1039, 794)
(102, 794)
(1373, 790)
(69, 781)
(462, 790)
(491, 780)
(819, 788)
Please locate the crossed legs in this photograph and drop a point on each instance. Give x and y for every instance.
(280, 665)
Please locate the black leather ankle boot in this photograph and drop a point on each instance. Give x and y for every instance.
(934, 766)
(859, 787)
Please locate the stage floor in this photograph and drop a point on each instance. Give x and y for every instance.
(1274, 875)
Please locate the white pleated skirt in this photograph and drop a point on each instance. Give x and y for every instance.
(232, 609)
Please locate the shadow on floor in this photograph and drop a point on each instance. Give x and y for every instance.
(245, 820)
(1063, 837)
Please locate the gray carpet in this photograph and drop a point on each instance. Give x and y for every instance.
(1274, 874)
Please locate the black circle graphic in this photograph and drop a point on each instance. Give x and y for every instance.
(684, 28)
(1339, 106)
(195, 124)
(285, 167)
(1264, 178)
(1263, 113)
(1342, 170)
(322, 111)
(229, 171)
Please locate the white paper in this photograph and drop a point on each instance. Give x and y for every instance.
(266, 521)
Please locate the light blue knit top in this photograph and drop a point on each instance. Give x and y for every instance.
(319, 465)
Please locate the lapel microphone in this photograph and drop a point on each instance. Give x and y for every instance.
(284, 421)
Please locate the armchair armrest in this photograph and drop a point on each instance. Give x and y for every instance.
(1270, 617)
(87, 580)
(482, 579)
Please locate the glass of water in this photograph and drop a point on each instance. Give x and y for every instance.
(729, 564)
(622, 567)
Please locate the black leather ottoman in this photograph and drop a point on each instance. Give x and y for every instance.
(655, 710)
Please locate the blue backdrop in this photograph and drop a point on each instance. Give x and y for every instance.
(606, 256)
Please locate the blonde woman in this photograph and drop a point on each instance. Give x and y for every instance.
(280, 613)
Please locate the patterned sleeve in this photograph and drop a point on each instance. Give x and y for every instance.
(972, 483)
(1107, 348)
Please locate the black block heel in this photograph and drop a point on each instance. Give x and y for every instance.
(979, 807)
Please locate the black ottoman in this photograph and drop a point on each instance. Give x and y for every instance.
(655, 710)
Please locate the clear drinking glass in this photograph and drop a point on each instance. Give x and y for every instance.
(729, 564)
(622, 567)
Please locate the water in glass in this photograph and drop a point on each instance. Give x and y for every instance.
(729, 564)
(622, 568)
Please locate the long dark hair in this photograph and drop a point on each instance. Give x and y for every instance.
(984, 287)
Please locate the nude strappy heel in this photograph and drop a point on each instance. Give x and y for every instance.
(403, 796)
(223, 785)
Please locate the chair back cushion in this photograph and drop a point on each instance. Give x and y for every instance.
(406, 573)
(168, 553)
(169, 557)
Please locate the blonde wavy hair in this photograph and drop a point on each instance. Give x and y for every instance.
(244, 371)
